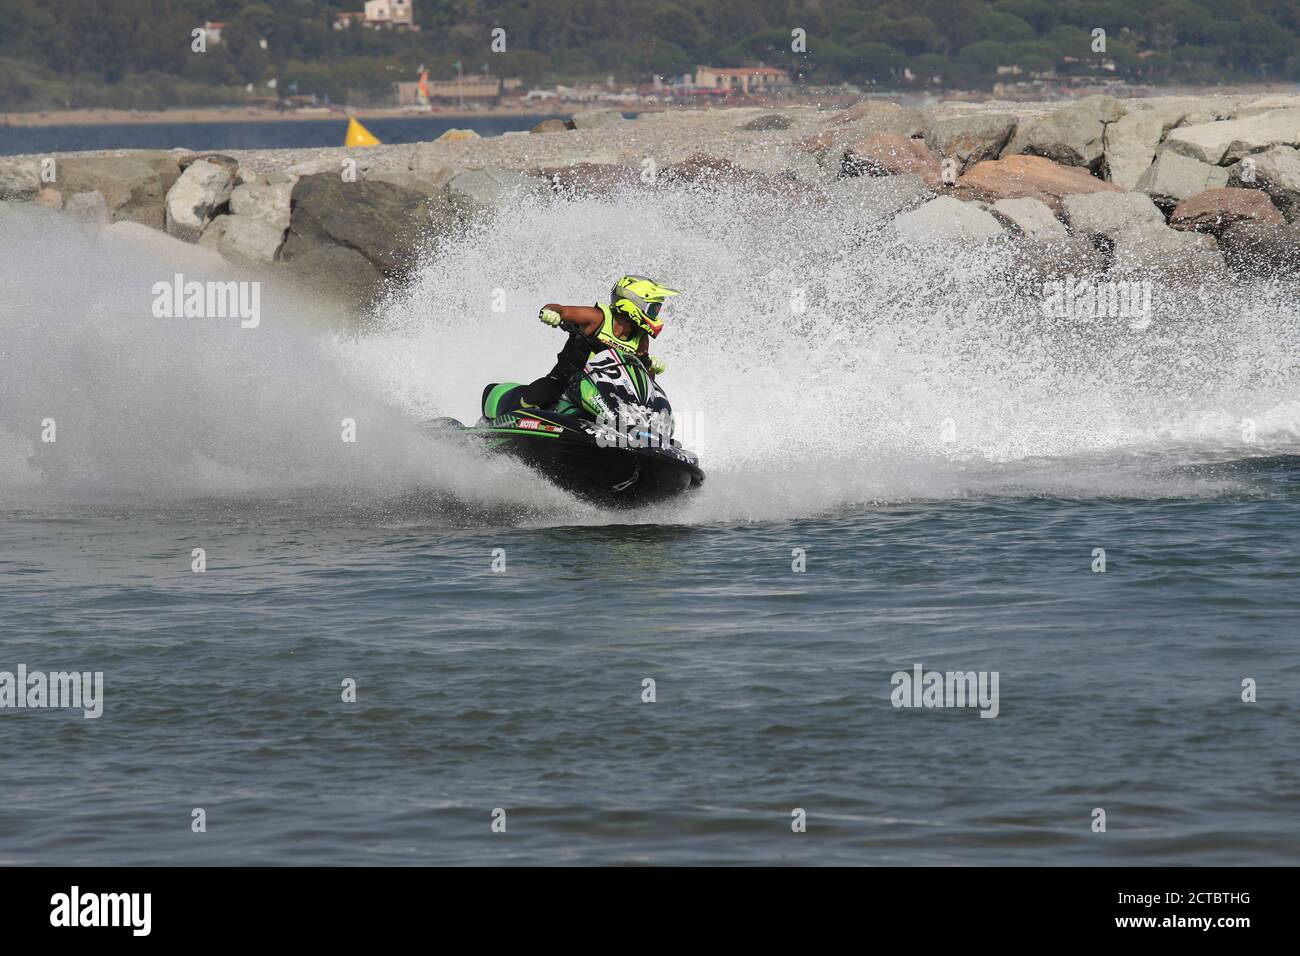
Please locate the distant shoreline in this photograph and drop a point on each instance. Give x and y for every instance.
(215, 114)
(544, 108)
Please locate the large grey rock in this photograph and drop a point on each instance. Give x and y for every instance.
(909, 122)
(1212, 109)
(945, 218)
(432, 162)
(1277, 172)
(873, 199)
(1223, 143)
(1263, 250)
(250, 240)
(243, 238)
(1073, 135)
(226, 162)
(386, 227)
(265, 199)
(351, 164)
(594, 119)
(1132, 140)
(700, 172)
(1266, 104)
(480, 189)
(768, 121)
(603, 156)
(134, 187)
(592, 179)
(20, 181)
(864, 108)
(1031, 218)
(214, 232)
(972, 138)
(196, 197)
(427, 179)
(1109, 214)
(385, 223)
(1174, 177)
(781, 163)
(1153, 248)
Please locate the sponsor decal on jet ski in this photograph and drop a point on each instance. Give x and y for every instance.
(534, 424)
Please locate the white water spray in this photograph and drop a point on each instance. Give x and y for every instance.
(815, 364)
(905, 374)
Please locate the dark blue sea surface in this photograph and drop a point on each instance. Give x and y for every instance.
(522, 689)
(247, 134)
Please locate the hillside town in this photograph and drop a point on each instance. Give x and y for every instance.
(495, 56)
(707, 84)
(481, 90)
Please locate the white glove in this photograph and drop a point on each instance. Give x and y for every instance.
(549, 317)
(657, 365)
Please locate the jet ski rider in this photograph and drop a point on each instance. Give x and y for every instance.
(630, 320)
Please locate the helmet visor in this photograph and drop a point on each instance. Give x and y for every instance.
(651, 321)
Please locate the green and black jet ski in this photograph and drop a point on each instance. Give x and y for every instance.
(608, 439)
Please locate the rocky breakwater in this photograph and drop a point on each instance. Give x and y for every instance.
(1183, 187)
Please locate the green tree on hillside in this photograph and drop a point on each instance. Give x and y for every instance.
(87, 48)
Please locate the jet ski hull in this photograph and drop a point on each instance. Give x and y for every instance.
(567, 452)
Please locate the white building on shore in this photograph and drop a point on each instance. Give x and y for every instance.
(744, 79)
(381, 15)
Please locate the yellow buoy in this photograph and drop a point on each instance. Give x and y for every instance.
(358, 135)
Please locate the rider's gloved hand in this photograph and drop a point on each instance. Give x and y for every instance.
(550, 317)
(657, 365)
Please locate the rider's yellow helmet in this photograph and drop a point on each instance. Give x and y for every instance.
(639, 299)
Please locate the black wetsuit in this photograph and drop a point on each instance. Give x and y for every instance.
(570, 360)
